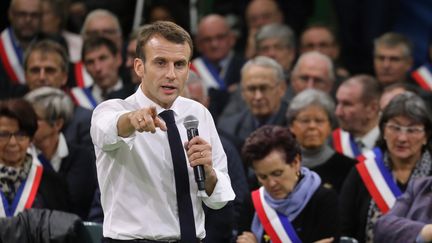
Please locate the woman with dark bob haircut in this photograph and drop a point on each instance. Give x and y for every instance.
(21, 172)
(382, 175)
(291, 204)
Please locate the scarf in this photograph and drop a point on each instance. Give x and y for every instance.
(12, 177)
(293, 204)
(422, 168)
(318, 156)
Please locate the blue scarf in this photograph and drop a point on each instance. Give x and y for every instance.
(293, 204)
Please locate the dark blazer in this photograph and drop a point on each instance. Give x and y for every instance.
(52, 192)
(220, 224)
(79, 171)
(318, 220)
(77, 130)
(334, 171)
(410, 213)
(239, 126)
(219, 98)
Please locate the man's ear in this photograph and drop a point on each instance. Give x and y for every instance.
(139, 67)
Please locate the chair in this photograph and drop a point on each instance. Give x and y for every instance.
(90, 233)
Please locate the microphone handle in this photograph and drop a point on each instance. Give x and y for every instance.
(199, 169)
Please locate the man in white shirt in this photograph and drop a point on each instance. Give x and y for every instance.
(134, 161)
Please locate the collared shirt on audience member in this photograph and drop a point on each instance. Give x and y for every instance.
(218, 64)
(74, 162)
(25, 23)
(357, 112)
(46, 64)
(102, 60)
(262, 87)
(276, 41)
(403, 151)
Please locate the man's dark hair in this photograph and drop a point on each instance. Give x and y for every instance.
(96, 42)
(166, 29)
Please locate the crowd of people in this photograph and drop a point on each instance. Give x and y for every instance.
(294, 145)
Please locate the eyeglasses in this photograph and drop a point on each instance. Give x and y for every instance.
(410, 131)
(19, 136)
(306, 120)
(263, 89)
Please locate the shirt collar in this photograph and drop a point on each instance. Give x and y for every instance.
(370, 138)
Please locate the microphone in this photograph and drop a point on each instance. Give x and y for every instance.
(191, 125)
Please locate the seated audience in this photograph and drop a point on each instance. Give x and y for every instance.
(410, 219)
(73, 162)
(291, 195)
(310, 118)
(382, 174)
(263, 87)
(21, 173)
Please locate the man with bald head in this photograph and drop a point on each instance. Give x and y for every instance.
(313, 70)
(25, 20)
(218, 65)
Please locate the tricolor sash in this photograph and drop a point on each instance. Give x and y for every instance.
(208, 73)
(378, 179)
(344, 143)
(423, 76)
(82, 77)
(11, 57)
(25, 194)
(83, 97)
(275, 224)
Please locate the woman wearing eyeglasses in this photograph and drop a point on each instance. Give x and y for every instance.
(23, 182)
(382, 175)
(291, 205)
(310, 117)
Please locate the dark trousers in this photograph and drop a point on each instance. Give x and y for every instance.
(109, 240)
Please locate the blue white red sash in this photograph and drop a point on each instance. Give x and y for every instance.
(208, 73)
(378, 179)
(25, 194)
(83, 97)
(275, 224)
(11, 57)
(344, 143)
(82, 77)
(423, 76)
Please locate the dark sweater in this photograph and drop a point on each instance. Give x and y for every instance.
(318, 220)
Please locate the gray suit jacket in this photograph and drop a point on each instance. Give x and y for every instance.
(411, 212)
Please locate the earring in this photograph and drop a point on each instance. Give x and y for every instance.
(298, 174)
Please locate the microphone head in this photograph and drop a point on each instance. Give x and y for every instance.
(190, 122)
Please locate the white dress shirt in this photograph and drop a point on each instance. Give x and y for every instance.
(136, 175)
